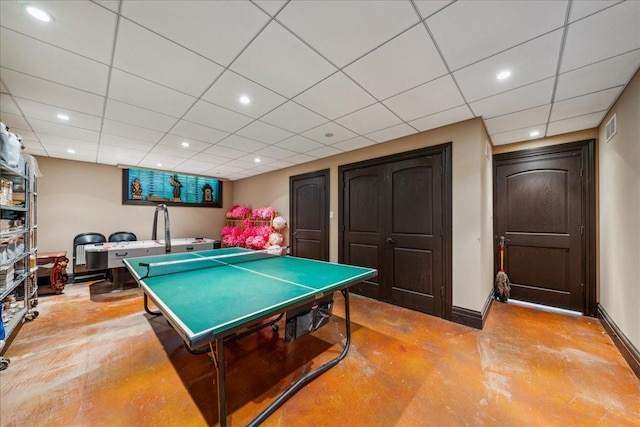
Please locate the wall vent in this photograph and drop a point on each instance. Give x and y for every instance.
(611, 128)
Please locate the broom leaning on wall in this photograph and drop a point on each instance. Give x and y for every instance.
(503, 287)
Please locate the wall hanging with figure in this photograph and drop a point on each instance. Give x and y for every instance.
(150, 187)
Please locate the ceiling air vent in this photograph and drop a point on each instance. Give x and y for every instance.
(610, 128)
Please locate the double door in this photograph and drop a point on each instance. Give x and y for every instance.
(393, 219)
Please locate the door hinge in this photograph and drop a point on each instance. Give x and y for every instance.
(582, 230)
(581, 172)
(582, 287)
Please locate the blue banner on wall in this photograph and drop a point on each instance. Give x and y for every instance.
(150, 187)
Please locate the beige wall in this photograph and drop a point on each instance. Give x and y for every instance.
(619, 219)
(78, 197)
(472, 268)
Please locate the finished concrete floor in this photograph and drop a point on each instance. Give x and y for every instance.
(95, 358)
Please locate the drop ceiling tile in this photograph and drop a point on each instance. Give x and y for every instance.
(530, 62)
(34, 148)
(88, 156)
(114, 155)
(243, 165)
(293, 117)
(591, 103)
(581, 9)
(155, 161)
(323, 152)
(523, 98)
(14, 121)
(215, 29)
(329, 133)
(334, 97)
(400, 64)
(218, 151)
(588, 121)
(42, 60)
(175, 141)
(228, 89)
(251, 159)
(225, 169)
(369, 119)
(429, 98)
(392, 132)
(264, 132)
(516, 135)
(121, 112)
(148, 55)
(129, 131)
(298, 159)
(278, 60)
(41, 126)
(46, 92)
(526, 20)
(281, 164)
(194, 167)
(166, 150)
(36, 110)
(61, 142)
(340, 30)
(601, 75)
(354, 143)
(275, 153)
(25, 134)
(7, 105)
(81, 27)
(198, 132)
(270, 6)
(593, 39)
(124, 142)
(521, 119)
(3, 88)
(443, 118)
(133, 90)
(112, 5)
(238, 142)
(207, 114)
(429, 7)
(299, 144)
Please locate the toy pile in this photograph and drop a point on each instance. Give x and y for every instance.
(257, 229)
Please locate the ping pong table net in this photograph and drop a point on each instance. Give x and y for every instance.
(163, 268)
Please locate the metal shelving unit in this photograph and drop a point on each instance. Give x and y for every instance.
(18, 248)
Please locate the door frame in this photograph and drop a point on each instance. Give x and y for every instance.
(447, 206)
(325, 173)
(587, 148)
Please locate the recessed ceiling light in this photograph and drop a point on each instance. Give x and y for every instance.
(257, 160)
(185, 144)
(534, 133)
(158, 164)
(71, 151)
(38, 13)
(503, 75)
(63, 117)
(244, 99)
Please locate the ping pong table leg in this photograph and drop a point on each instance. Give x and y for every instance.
(146, 306)
(219, 361)
(309, 376)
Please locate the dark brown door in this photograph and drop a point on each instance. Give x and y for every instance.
(541, 211)
(393, 221)
(309, 215)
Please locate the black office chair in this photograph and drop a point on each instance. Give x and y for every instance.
(122, 236)
(78, 255)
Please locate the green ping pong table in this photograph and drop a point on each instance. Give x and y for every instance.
(210, 296)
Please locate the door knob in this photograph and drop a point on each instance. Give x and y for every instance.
(390, 241)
